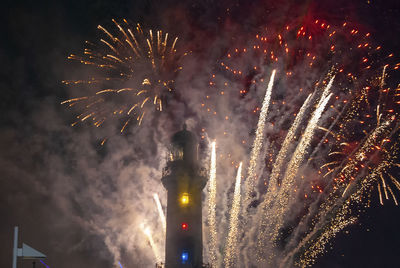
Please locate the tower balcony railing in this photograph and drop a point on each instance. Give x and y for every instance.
(202, 172)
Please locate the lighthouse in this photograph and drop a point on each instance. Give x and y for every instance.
(184, 180)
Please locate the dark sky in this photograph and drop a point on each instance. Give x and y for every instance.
(37, 146)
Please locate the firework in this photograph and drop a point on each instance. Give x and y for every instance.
(272, 192)
(358, 169)
(344, 213)
(304, 143)
(279, 209)
(211, 201)
(285, 146)
(135, 72)
(327, 165)
(373, 156)
(330, 172)
(160, 212)
(231, 242)
(258, 140)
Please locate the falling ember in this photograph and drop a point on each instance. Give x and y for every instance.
(380, 194)
(160, 212)
(258, 140)
(231, 242)
(147, 232)
(135, 74)
(103, 141)
(393, 196)
(211, 201)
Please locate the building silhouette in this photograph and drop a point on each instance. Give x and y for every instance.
(184, 180)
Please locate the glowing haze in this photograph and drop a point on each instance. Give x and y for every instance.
(304, 104)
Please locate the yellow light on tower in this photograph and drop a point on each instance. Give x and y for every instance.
(185, 199)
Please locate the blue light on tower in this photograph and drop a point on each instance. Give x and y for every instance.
(185, 257)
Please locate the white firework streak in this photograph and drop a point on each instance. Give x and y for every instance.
(160, 212)
(270, 196)
(147, 232)
(231, 243)
(325, 93)
(280, 206)
(257, 144)
(211, 201)
(273, 181)
(301, 149)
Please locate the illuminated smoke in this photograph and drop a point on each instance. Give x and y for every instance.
(231, 243)
(160, 212)
(258, 140)
(277, 199)
(212, 196)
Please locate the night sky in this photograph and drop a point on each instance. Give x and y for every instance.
(49, 170)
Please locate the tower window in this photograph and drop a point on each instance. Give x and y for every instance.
(184, 226)
(185, 257)
(176, 154)
(185, 199)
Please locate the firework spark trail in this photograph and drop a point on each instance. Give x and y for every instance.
(279, 162)
(341, 221)
(255, 151)
(160, 212)
(359, 153)
(318, 240)
(278, 210)
(231, 243)
(212, 197)
(302, 147)
(258, 140)
(349, 164)
(332, 200)
(147, 232)
(316, 149)
(270, 196)
(339, 204)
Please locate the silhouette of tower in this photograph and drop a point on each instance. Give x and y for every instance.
(184, 180)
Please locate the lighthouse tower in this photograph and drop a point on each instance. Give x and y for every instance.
(184, 181)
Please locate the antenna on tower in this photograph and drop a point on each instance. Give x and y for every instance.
(26, 251)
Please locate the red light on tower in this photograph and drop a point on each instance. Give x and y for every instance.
(184, 226)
